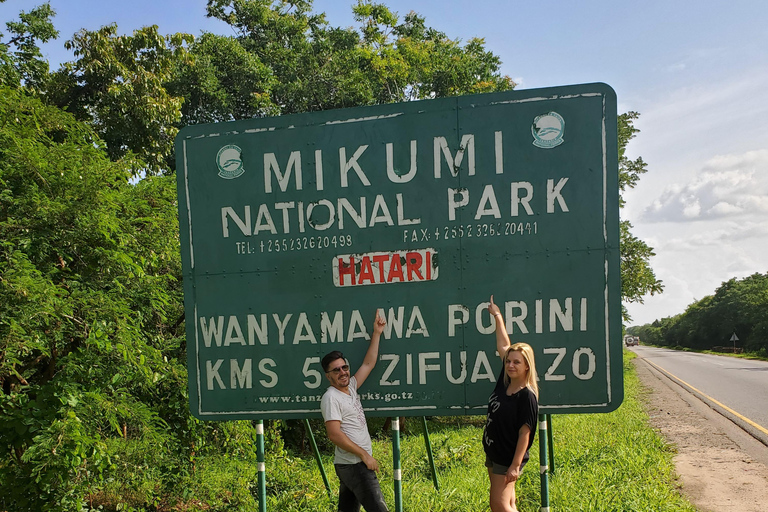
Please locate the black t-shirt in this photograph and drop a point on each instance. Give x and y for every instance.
(506, 415)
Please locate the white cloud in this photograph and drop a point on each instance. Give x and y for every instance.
(681, 127)
(703, 239)
(703, 206)
(693, 259)
(673, 68)
(727, 186)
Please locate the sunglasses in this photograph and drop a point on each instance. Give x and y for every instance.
(336, 371)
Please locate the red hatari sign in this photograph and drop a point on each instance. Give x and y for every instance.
(384, 267)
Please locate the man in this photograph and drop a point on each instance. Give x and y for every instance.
(348, 430)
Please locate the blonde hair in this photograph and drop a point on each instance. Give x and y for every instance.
(531, 379)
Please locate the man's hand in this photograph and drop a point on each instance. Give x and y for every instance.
(371, 463)
(378, 323)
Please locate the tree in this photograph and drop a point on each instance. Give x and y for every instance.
(637, 276)
(138, 90)
(21, 61)
(315, 67)
(741, 307)
(318, 67)
(91, 362)
(737, 306)
(422, 62)
(117, 85)
(222, 81)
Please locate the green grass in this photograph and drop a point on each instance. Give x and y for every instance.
(760, 355)
(614, 461)
(603, 462)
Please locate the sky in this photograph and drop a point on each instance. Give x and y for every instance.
(695, 71)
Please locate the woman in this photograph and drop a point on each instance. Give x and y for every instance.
(512, 414)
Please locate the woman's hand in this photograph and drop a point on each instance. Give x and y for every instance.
(493, 309)
(502, 338)
(513, 473)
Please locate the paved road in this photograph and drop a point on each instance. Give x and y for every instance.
(739, 384)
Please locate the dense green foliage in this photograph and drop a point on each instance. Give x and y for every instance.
(738, 307)
(117, 86)
(93, 382)
(92, 365)
(136, 91)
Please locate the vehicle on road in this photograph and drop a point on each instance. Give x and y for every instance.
(631, 341)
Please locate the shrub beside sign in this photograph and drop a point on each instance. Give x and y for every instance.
(295, 230)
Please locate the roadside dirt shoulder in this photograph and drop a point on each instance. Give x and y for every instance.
(721, 467)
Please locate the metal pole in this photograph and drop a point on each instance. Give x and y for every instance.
(262, 481)
(544, 467)
(429, 453)
(551, 444)
(396, 464)
(317, 456)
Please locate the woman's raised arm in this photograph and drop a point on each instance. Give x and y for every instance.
(502, 338)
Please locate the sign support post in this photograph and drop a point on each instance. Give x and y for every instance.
(429, 453)
(551, 444)
(396, 471)
(317, 456)
(544, 463)
(262, 480)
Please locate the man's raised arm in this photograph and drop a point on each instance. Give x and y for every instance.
(372, 355)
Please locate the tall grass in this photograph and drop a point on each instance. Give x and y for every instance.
(603, 462)
(614, 461)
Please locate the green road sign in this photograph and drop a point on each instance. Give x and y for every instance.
(295, 230)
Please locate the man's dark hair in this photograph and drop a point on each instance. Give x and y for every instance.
(329, 358)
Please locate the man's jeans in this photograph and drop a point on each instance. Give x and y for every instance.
(358, 485)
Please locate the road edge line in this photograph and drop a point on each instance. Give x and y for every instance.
(742, 421)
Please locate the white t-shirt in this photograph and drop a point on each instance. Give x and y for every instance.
(346, 408)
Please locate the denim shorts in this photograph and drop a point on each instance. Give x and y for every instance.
(358, 485)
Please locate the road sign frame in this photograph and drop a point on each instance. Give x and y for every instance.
(295, 229)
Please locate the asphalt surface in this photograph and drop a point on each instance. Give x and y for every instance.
(737, 388)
